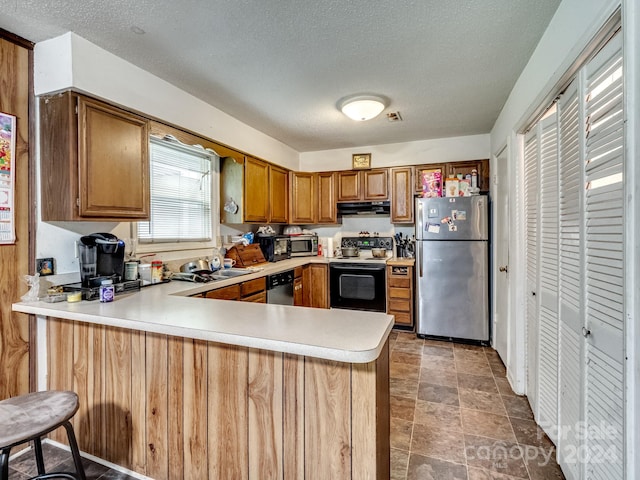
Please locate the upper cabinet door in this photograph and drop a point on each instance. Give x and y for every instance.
(256, 191)
(94, 160)
(402, 195)
(278, 194)
(349, 186)
(303, 198)
(327, 212)
(113, 160)
(376, 184)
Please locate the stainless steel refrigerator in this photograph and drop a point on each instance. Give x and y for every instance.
(452, 282)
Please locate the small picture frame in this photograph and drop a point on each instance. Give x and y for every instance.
(45, 266)
(361, 161)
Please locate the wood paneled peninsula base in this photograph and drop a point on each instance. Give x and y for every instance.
(170, 406)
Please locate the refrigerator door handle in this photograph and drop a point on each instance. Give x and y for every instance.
(419, 259)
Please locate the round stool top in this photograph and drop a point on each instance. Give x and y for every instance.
(34, 414)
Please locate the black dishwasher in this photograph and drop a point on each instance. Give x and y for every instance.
(280, 288)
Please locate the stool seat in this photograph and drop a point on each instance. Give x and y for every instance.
(34, 415)
(27, 418)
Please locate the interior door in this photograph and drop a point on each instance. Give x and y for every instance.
(548, 272)
(531, 189)
(501, 276)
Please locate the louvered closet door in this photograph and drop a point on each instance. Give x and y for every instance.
(604, 232)
(570, 282)
(531, 255)
(548, 270)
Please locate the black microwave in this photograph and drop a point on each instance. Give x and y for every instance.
(303, 245)
(274, 247)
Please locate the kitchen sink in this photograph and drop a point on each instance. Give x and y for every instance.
(229, 273)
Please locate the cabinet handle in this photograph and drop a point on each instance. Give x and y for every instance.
(504, 269)
(586, 332)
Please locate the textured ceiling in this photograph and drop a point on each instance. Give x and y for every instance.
(282, 65)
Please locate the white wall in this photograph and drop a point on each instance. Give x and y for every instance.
(574, 24)
(102, 74)
(472, 147)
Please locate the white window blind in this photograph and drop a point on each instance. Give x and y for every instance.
(180, 194)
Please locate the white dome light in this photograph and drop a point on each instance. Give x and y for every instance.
(362, 107)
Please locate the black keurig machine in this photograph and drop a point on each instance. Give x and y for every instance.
(101, 258)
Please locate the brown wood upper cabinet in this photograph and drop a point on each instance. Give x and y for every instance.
(260, 189)
(303, 198)
(313, 198)
(327, 212)
(95, 160)
(451, 169)
(363, 185)
(401, 194)
(256, 190)
(278, 194)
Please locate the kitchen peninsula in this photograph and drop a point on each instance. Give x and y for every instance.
(173, 386)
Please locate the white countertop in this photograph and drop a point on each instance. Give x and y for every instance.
(342, 335)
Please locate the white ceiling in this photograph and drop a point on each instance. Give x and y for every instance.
(282, 65)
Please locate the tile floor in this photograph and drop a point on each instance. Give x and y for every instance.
(455, 417)
(58, 460)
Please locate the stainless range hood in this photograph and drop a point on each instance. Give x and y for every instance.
(364, 208)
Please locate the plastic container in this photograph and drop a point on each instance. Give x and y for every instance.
(474, 178)
(106, 291)
(156, 271)
(144, 269)
(131, 271)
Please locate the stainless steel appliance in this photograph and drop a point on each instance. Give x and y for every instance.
(280, 288)
(452, 263)
(274, 247)
(360, 283)
(303, 245)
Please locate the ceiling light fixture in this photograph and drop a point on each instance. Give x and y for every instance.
(362, 107)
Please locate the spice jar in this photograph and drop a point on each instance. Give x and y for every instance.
(156, 271)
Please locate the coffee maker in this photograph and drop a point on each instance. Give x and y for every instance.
(101, 257)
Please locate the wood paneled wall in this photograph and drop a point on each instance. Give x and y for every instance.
(175, 408)
(15, 262)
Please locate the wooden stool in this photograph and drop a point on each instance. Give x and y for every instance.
(31, 416)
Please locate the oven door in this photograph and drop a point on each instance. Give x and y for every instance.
(358, 286)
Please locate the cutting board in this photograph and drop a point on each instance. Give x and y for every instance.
(246, 256)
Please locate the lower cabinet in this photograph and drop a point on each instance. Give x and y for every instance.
(250, 291)
(225, 293)
(400, 292)
(311, 286)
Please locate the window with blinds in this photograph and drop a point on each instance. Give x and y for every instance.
(180, 194)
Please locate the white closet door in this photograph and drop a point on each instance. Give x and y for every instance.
(570, 282)
(531, 254)
(604, 279)
(548, 271)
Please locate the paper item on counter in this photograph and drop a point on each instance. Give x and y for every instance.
(452, 187)
(463, 188)
(431, 183)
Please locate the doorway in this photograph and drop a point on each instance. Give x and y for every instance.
(501, 257)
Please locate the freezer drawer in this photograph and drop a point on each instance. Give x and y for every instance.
(452, 289)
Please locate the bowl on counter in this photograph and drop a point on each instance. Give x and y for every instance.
(379, 252)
